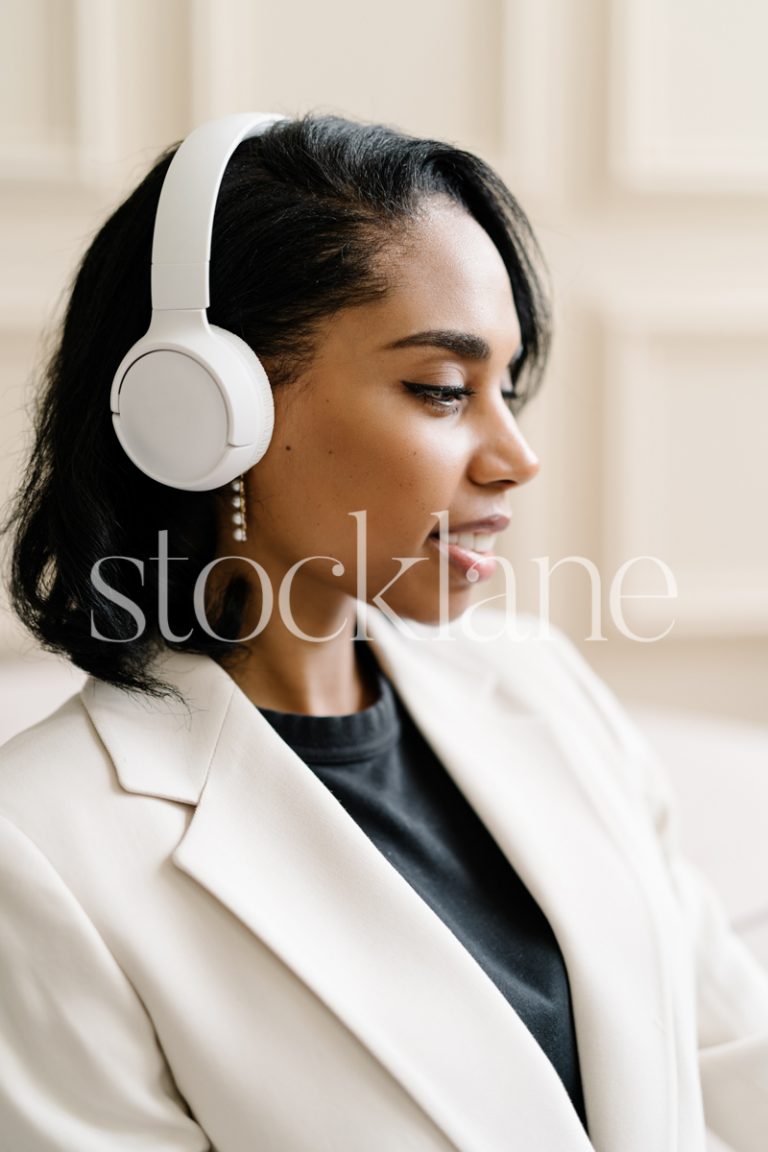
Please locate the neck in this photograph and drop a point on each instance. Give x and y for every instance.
(285, 671)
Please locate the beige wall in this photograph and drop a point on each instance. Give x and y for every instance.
(640, 145)
(636, 134)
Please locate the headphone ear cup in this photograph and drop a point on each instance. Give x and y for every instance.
(191, 404)
(194, 410)
(251, 403)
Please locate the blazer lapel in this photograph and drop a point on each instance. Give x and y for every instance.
(271, 843)
(529, 779)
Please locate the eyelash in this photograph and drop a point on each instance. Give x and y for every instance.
(438, 397)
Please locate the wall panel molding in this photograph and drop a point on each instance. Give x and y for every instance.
(688, 97)
(62, 124)
(98, 47)
(535, 37)
(696, 501)
(225, 37)
(434, 68)
(93, 89)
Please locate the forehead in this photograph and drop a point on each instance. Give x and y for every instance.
(446, 273)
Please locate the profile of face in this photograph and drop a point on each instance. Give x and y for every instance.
(374, 424)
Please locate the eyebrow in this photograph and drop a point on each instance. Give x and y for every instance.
(464, 344)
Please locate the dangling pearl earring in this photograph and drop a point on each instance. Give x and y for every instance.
(238, 503)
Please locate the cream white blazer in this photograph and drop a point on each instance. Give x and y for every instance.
(200, 949)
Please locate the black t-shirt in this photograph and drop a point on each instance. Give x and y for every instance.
(379, 767)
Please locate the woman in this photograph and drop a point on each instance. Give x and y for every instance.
(350, 882)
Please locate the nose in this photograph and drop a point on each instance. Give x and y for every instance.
(502, 455)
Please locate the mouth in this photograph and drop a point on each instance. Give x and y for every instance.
(469, 550)
(481, 542)
(474, 535)
(487, 525)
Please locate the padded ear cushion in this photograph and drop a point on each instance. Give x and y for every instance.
(193, 413)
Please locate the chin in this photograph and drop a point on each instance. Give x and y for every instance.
(428, 610)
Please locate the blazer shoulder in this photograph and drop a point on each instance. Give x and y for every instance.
(66, 726)
(55, 756)
(60, 788)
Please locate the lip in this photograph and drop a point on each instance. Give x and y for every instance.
(490, 524)
(472, 566)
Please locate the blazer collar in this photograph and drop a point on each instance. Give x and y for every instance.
(164, 747)
(271, 843)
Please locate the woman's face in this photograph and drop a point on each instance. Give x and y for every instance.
(361, 432)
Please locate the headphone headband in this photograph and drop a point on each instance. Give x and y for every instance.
(181, 245)
(191, 403)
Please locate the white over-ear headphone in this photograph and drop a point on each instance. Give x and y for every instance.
(191, 403)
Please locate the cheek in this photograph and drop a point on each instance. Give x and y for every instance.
(400, 473)
(399, 467)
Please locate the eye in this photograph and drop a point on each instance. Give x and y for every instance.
(441, 398)
(517, 363)
(514, 398)
(515, 395)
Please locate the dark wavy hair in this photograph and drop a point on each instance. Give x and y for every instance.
(303, 213)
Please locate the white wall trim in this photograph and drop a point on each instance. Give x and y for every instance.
(728, 598)
(645, 153)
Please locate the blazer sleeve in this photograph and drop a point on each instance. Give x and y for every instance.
(80, 1066)
(732, 987)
